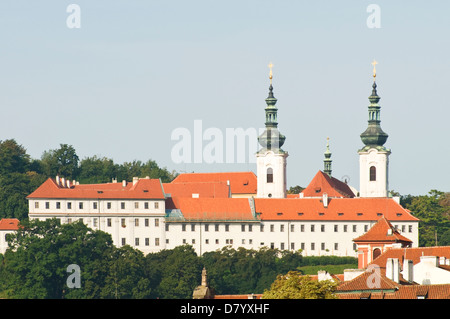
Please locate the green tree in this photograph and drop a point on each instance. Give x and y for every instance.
(434, 220)
(181, 273)
(295, 286)
(295, 189)
(62, 161)
(35, 264)
(13, 157)
(126, 278)
(98, 170)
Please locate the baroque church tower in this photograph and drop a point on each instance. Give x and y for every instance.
(271, 159)
(374, 157)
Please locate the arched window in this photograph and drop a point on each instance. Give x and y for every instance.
(373, 173)
(376, 253)
(269, 175)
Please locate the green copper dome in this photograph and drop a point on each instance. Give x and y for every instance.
(374, 136)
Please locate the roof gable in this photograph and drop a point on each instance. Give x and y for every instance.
(322, 183)
(382, 231)
(9, 224)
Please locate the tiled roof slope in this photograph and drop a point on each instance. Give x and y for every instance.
(322, 183)
(142, 189)
(213, 208)
(9, 224)
(208, 190)
(380, 233)
(355, 209)
(240, 182)
(441, 291)
(413, 254)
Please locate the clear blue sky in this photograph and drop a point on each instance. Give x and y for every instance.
(136, 70)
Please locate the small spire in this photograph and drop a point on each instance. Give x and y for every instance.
(270, 72)
(327, 161)
(374, 63)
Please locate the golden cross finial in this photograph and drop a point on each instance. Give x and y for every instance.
(270, 73)
(374, 69)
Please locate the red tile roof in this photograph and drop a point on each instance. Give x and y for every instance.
(9, 224)
(142, 189)
(413, 254)
(208, 190)
(441, 291)
(214, 208)
(240, 182)
(384, 232)
(358, 209)
(322, 183)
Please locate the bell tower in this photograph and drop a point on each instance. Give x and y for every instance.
(374, 157)
(271, 159)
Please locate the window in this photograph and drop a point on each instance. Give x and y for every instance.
(167, 227)
(272, 227)
(217, 242)
(410, 228)
(36, 204)
(136, 241)
(250, 228)
(336, 228)
(216, 227)
(157, 222)
(206, 227)
(206, 241)
(124, 242)
(183, 227)
(281, 228)
(146, 222)
(292, 246)
(193, 240)
(366, 228)
(261, 228)
(403, 228)
(136, 205)
(312, 228)
(193, 227)
(282, 246)
(373, 173)
(147, 241)
(243, 228)
(80, 205)
(108, 222)
(227, 227)
(47, 205)
(336, 246)
(58, 205)
(69, 205)
(122, 222)
(322, 228)
(156, 205)
(302, 246)
(136, 222)
(108, 205)
(345, 228)
(322, 246)
(272, 245)
(302, 228)
(95, 222)
(269, 175)
(94, 205)
(122, 205)
(354, 228)
(313, 246)
(146, 205)
(292, 227)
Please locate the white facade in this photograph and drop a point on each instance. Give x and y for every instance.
(270, 163)
(374, 166)
(138, 223)
(314, 238)
(3, 242)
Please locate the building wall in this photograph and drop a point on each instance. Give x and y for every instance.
(147, 230)
(276, 189)
(380, 160)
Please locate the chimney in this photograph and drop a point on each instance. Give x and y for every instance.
(135, 180)
(325, 200)
(68, 184)
(114, 180)
(442, 260)
(57, 180)
(430, 260)
(124, 183)
(408, 270)
(392, 269)
(396, 270)
(63, 182)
